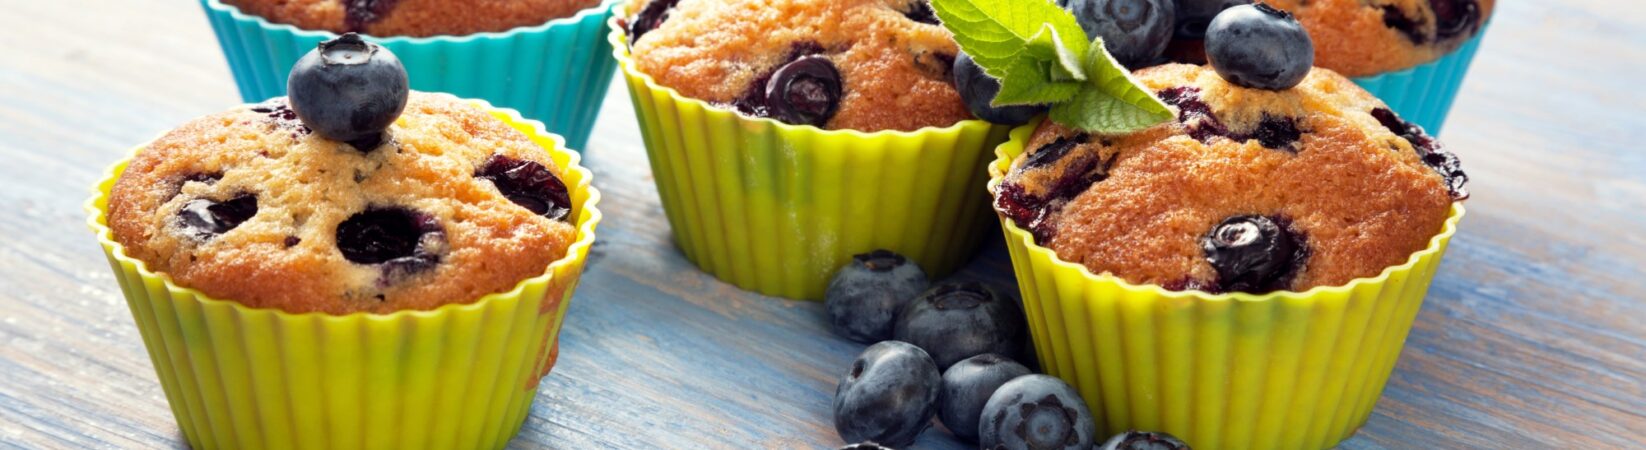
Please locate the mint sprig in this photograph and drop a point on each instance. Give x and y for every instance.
(1042, 56)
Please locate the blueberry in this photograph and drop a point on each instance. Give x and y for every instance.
(650, 17)
(402, 240)
(1143, 440)
(1454, 17)
(805, 91)
(889, 396)
(1277, 132)
(1036, 412)
(281, 114)
(865, 296)
(528, 184)
(205, 219)
(1050, 154)
(968, 385)
(1194, 15)
(1395, 18)
(359, 13)
(1258, 46)
(955, 321)
(1135, 32)
(1255, 254)
(979, 89)
(1437, 158)
(1194, 113)
(865, 446)
(348, 90)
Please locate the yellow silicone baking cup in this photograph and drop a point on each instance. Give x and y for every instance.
(459, 376)
(777, 209)
(1288, 370)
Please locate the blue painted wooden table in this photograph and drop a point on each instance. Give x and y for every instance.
(1533, 336)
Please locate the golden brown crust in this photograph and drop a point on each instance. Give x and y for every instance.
(1361, 195)
(895, 70)
(416, 18)
(306, 186)
(1353, 38)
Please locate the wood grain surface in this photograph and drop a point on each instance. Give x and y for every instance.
(1533, 336)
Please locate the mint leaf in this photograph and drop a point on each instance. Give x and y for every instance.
(1032, 83)
(1097, 112)
(1040, 74)
(1111, 101)
(993, 32)
(1067, 65)
(1041, 56)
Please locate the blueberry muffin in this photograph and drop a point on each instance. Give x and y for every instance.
(1369, 37)
(417, 18)
(866, 65)
(1356, 38)
(1250, 190)
(250, 205)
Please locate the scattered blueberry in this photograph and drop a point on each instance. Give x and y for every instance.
(1036, 412)
(968, 385)
(348, 90)
(528, 184)
(889, 396)
(921, 11)
(1258, 46)
(979, 89)
(650, 17)
(404, 241)
(865, 296)
(1194, 15)
(1135, 32)
(1143, 440)
(205, 219)
(805, 91)
(955, 321)
(1255, 254)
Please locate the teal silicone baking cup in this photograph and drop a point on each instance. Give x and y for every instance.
(1423, 95)
(556, 73)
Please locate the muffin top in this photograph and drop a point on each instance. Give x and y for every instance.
(866, 65)
(1249, 190)
(416, 18)
(249, 205)
(1368, 37)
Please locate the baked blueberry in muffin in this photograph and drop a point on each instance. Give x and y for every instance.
(418, 18)
(1249, 190)
(866, 65)
(417, 201)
